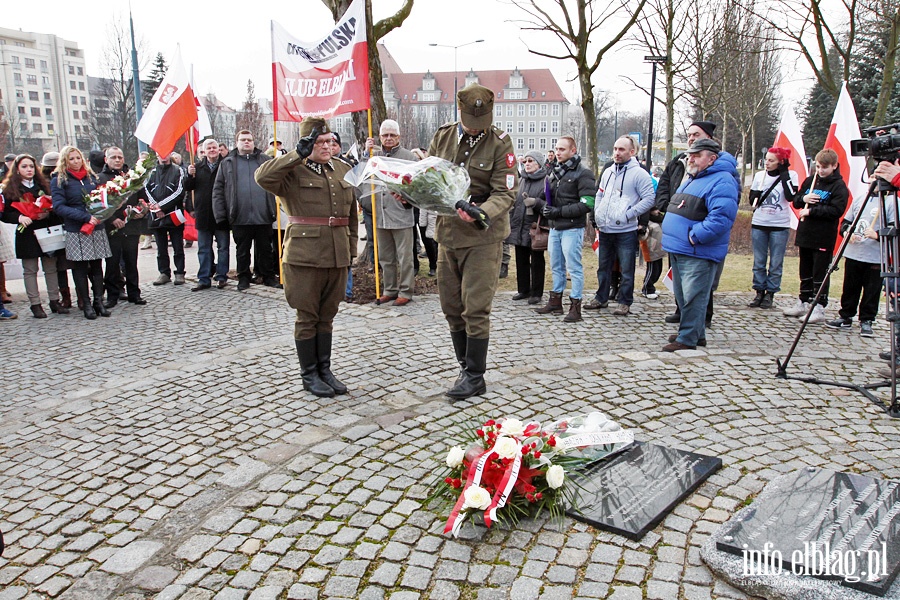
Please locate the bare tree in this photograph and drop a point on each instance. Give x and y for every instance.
(887, 12)
(251, 117)
(579, 27)
(810, 28)
(4, 131)
(374, 33)
(17, 125)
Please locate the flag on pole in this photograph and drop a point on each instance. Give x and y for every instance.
(668, 281)
(789, 137)
(325, 77)
(202, 127)
(845, 127)
(171, 111)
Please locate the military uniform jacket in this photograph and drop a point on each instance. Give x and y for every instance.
(307, 193)
(492, 168)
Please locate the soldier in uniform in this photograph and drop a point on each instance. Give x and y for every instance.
(468, 256)
(320, 244)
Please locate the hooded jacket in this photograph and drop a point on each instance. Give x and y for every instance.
(625, 193)
(819, 229)
(701, 213)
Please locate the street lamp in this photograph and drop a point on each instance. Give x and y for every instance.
(655, 60)
(455, 48)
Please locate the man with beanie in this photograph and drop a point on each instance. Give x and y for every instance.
(394, 226)
(625, 193)
(469, 256)
(320, 244)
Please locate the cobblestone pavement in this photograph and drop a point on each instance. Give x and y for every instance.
(170, 451)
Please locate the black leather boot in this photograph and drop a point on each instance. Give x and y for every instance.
(768, 300)
(100, 309)
(323, 351)
(81, 290)
(760, 294)
(309, 369)
(476, 364)
(459, 348)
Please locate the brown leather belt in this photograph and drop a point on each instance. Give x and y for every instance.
(327, 221)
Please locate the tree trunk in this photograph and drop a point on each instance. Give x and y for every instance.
(670, 79)
(587, 106)
(887, 78)
(743, 158)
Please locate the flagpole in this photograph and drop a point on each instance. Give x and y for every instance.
(277, 205)
(136, 80)
(374, 219)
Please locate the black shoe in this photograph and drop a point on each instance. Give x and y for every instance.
(201, 286)
(472, 383)
(309, 371)
(768, 300)
(431, 272)
(885, 355)
(760, 294)
(673, 318)
(100, 309)
(110, 303)
(535, 299)
(504, 271)
(57, 307)
(520, 296)
(89, 312)
(222, 284)
(323, 351)
(243, 284)
(138, 301)
(273, 283)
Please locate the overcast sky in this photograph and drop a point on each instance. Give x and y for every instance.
(227, 43)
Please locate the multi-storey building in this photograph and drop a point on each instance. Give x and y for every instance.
(43, 91)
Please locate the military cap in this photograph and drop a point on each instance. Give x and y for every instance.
(476, 106)
(704, 144)
(308, 124)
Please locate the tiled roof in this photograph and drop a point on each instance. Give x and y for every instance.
(541, 84)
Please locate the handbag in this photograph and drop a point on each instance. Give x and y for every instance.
(540, 236)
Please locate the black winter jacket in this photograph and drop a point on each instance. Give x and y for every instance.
(819, 229)
(134, 226)
(165, 186)
(27, 245)
(566, 195)
(200, 203)
(669, 182)
(531, 185)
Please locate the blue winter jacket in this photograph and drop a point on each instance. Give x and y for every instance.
(703, 211)
(68, 200)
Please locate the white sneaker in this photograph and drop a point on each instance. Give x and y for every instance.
(652, 296)
(798, 309)
(817, 316)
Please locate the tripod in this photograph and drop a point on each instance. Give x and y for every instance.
(889, 240)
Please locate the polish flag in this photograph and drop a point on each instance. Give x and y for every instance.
(790, 137)
(845, 127)
(171, 111)
(668, 281)
(177, 217)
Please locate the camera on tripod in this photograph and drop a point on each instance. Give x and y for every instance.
(878, 147)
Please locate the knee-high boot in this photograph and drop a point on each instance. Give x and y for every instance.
(323, 351)
(476, 364)
(309, 369)
(459, 348)
(97, 280)
(81, 290)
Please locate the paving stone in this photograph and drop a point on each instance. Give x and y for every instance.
(154, 578)
(131, 557)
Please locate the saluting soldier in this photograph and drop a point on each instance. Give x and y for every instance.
(320, 244)
(468, 256)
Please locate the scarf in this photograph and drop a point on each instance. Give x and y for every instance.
(570, 165)
(80, 174)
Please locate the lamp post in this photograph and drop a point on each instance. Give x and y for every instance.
(655, 60)
(455, 48)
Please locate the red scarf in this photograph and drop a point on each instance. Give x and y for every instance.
(80, 174)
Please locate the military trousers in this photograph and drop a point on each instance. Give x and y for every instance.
(467, 281)
(316, 294)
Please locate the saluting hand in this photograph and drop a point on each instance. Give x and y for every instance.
(306, 144)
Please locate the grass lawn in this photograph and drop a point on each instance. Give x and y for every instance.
(737, 276)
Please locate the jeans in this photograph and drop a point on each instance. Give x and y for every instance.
(348, 293)
(565, 254)
(624, 247)
(693, 280)
(768, 244)
(205, 255)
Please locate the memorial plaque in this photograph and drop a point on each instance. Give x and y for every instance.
(830, 525)
(632, 492)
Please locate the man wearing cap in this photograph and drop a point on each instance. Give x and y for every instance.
(394, 223)
(696, 230)
(320, 244)
(468, 256)
(8, 161)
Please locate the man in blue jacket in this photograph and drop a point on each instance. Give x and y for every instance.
(696, 231)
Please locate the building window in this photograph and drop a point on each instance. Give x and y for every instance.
(532, 110)
(498, 124)
(509, 110)
(20, 94)
(74, 114)
(555, 110)
(543, 110)
(71, 70)
(74, 99)
(543, 144)
(29, 63)
(520, 144)
(15, 60)
(84, 116)
(543, 126)
(553, 142)
(531, 127)
(37, 128)
(80, 71)
(554, 127)
(46, 96)
(72, 85)
(509, 126)
(32, 79)
(21, 110)
(35, 112)
(428, 84)
(48, 112)
(81, 85)
(78, 129)
(46, 81)
(43, 65)
(33, 96)
(521, 128)
(521, 110)
(531, 143)
(498, 111)
(17, 77)
(83, 101)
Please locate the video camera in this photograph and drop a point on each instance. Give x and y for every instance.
(878, 147)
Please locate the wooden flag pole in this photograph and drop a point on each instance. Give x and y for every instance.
(374, 219)
(278, 206)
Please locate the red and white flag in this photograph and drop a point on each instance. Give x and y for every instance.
(845, 127)
(202, 127)
(177, 217)
(790, 137)
(171, 111)
(668, 281)
(325, 77)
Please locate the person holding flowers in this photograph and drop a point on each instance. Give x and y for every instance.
(86, 244)
(28, 204)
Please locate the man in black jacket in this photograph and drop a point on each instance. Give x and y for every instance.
(165, 194)
(200, 182)
(124, 228)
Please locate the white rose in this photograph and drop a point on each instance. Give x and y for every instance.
(512, 427)
(555, 476)
(506, 447)
(455, 457)
(476, 497)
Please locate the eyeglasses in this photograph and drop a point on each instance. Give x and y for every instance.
(323, 143)
(528, 160)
